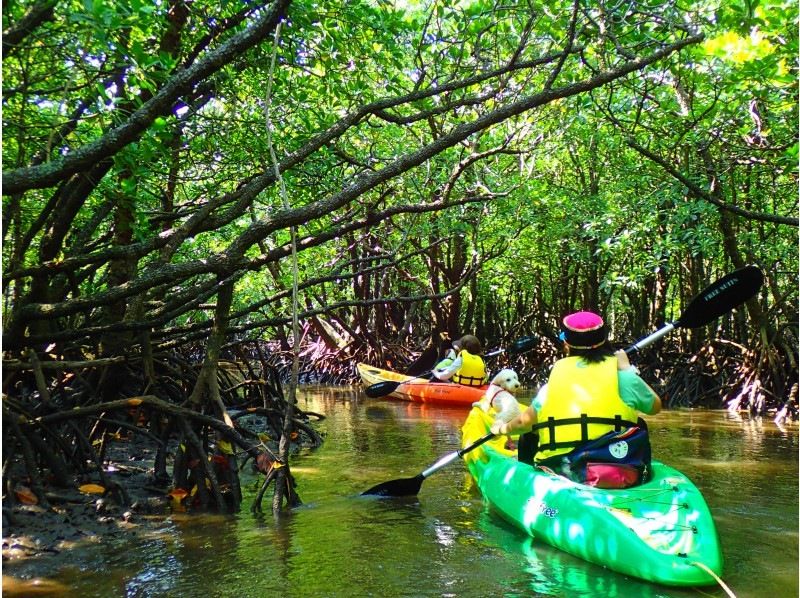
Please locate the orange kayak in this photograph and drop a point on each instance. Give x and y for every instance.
(418, 390)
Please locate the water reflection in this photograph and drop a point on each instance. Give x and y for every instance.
(445, 542)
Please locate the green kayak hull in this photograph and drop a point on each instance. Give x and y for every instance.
(661, 531)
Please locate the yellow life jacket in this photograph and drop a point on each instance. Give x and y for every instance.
(577, 388)
(472, 371)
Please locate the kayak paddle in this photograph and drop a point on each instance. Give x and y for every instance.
(411, 486)
(381, 389)
(716, 299)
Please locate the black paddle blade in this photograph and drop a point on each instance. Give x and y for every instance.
(521, 345)
(722, 296)
(402, 487)
(381, 389)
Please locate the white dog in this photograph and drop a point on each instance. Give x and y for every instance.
(500, 395)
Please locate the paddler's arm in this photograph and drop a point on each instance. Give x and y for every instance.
(447, 373)
(524, 420)
(633, 390)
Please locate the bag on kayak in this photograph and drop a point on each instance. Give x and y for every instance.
(614, 460)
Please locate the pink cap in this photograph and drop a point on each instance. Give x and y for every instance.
(583, 321)
(584, 330)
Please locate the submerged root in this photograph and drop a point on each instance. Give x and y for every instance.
(726, 374)
(67, 439)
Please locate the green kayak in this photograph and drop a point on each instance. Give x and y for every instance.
(660, 531)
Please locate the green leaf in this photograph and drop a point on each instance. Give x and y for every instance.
(128, 185)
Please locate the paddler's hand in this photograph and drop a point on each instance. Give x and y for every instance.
(526, 418)
(498, 428)
(624, 363)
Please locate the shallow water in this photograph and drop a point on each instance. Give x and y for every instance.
(444, 542)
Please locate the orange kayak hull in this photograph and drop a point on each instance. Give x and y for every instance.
(422, 390)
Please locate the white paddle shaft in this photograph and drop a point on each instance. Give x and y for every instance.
(439, 464)
(653, 337)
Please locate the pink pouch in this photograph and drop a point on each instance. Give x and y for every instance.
(611, 475)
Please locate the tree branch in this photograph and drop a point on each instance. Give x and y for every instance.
(701, 193)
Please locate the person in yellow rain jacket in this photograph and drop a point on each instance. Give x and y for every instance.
(467, 367)
(592, 381)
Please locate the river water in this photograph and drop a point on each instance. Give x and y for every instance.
(445, 542)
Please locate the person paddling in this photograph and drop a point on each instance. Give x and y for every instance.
(584, 394)
(448, 351)
(467, 367)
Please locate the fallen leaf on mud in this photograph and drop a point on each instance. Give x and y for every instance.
(178, 493)
(92, 489)
(25, 495)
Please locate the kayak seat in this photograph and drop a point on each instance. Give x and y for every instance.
(584, 420)
(620, 458)
(528, 444)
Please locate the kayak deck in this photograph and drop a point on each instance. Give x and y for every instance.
(422, 390)
(660, 531)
